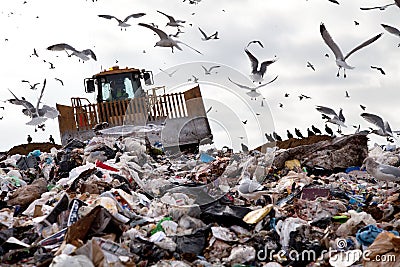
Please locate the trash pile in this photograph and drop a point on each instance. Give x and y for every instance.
(122, 202)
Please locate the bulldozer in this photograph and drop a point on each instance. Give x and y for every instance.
(120, 100)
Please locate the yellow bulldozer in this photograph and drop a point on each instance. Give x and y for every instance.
(121, 100)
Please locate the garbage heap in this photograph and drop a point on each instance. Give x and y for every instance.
(122, 202)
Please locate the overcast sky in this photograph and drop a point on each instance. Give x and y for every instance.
(289, 30)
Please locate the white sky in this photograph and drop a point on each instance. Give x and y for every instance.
(288, 29)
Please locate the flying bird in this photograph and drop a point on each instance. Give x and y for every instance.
(363, 107)
(347, 95)
(286, 95)
(172, 22)
(334, 1)
(208, 71)
(208, 37)
(253, 90)
(280, 105)
(176, 34)
(383, 126)
(396, 2)
(258, 74)
(57, 79)
(195, 79)
(303, 96)
(83, 55)
(32, 86)
(340, 59)
(335, 118)
(379, 68)
(35, 53)
(356, 23)
(169, 74)
(392, 30)
(309, 65)
(123, 23)
(165, 40)
(244, 122)
(255, 42)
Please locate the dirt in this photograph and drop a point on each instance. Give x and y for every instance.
(24, 149)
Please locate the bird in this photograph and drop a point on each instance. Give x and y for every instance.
(83, 55)
(315, 129)
(255, 42)
(289, 134)
(123, 23)
(309, 65)
(378, 68)
(208, 71)
(336, 119)
(328, 130)
(244, 122)
(29, 139)
(340, 59)
(195, 79)
(381, 172)
(286, 95)
(35, 53)
(334, 1)
(208, 37)
(392, 30)
(171, 73)
(276, 137)
(363, 107)
(396, 2)
(383, 126)
(57, 79)
(176, 34)
(245, 149)
(172, 22)
(52, 140)
(326, 55)
(347, 94)
(258, 74)
(269, 137)
(280, 105)
(253, 90)
(356, 23)
(298, 133)
(303, 96)
(310, 133)
(32, 86)
(165, 40)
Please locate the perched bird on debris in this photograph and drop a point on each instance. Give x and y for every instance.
(165, 40)
(123, 23)
(328, 130)
(83, 55)
(269, 137)
(310, 133)
(381, 172)
(52, 140)
(276, 137)
(340, 58)
(289, 134)
(29, 139)
(298, 133)
(258, 74)
(172, 21)
(315, 129)
(245, 148)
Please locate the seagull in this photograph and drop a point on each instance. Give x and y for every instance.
(289, 134)
(315, 129)
(29, 139)
(84, 54)
(253, 90)
(334, 1)
(172, 22)
(255, 42)
(280, 105)
(208, 37)
(257, 74)
(176, 34)
(303, 96)
(396, 2)
(195, 79)
(356, 23)
(363, 107)
(384, 127)
(338, 120)
(165, 40)
(51, 139)
(347, 95)
(169, 74)
(244, 122)
(123, 23)
(309, 65)
(392, 30)
(378, 68)
(32, 86)
(208, 71)
(276, 137)
(286, 95)
(298, 133)
(62, 83)
(35, 53)
(381, 172)
(340, 59)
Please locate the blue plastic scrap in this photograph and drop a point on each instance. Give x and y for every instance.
(366, 236)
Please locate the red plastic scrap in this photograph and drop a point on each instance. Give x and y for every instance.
(100, 164)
